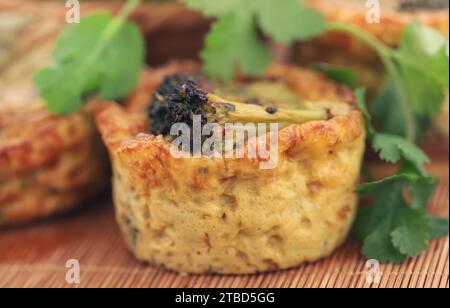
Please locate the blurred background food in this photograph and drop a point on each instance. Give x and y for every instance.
(48, 164)
(28, 28)
(342, 50)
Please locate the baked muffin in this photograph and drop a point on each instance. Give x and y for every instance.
(226, 215)
(48, 164)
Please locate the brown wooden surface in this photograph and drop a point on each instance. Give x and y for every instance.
(35, 256)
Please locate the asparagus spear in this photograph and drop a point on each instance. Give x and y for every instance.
(179, 98)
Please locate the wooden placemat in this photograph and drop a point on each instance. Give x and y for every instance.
(36, 255)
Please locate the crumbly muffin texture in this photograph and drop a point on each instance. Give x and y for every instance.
(49, 164)
(226, 215)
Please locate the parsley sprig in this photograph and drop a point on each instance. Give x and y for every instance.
(102, 55)
(395, 227)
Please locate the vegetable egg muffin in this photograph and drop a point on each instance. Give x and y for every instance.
(48, 163)
(227, 215)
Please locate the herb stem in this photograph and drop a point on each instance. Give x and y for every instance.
(397, 80)
(386, 55)
(128, 8)
(109, 32)
(360, 34)
(115, 25)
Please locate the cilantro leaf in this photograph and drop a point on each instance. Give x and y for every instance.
(387, 110)
(421, 185)
(375, 224)
(339, 74)
(393, 148)
(101, 54)
(378, 246)
(410, 238)
(289, 20)
(423, 63)
(213, 8)
(390, 116)
(395, 227)
(439, 227)
(234, 41)
(390, 228)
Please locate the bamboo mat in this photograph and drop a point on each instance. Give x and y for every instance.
(36, 255)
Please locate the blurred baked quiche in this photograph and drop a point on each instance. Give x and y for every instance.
(48, 164)
(227, 215)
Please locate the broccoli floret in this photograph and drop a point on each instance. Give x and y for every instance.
(180, 97)
(177, 100)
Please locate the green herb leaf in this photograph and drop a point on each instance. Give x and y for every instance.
(393, 148)
(439, 227)
(391, 117)
(394, 227)
(386, 108)
(214, 8)
(340, 74)
(390, 228)
(234, 41)
(360, 95)
(423, 63)
(102, 54)
(410, 238)
(289, 20)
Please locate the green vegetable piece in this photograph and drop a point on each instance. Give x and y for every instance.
(102, 54)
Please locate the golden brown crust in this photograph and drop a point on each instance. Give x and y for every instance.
(120, 126)
(21, 129)
(48, 163)
(145, 154)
